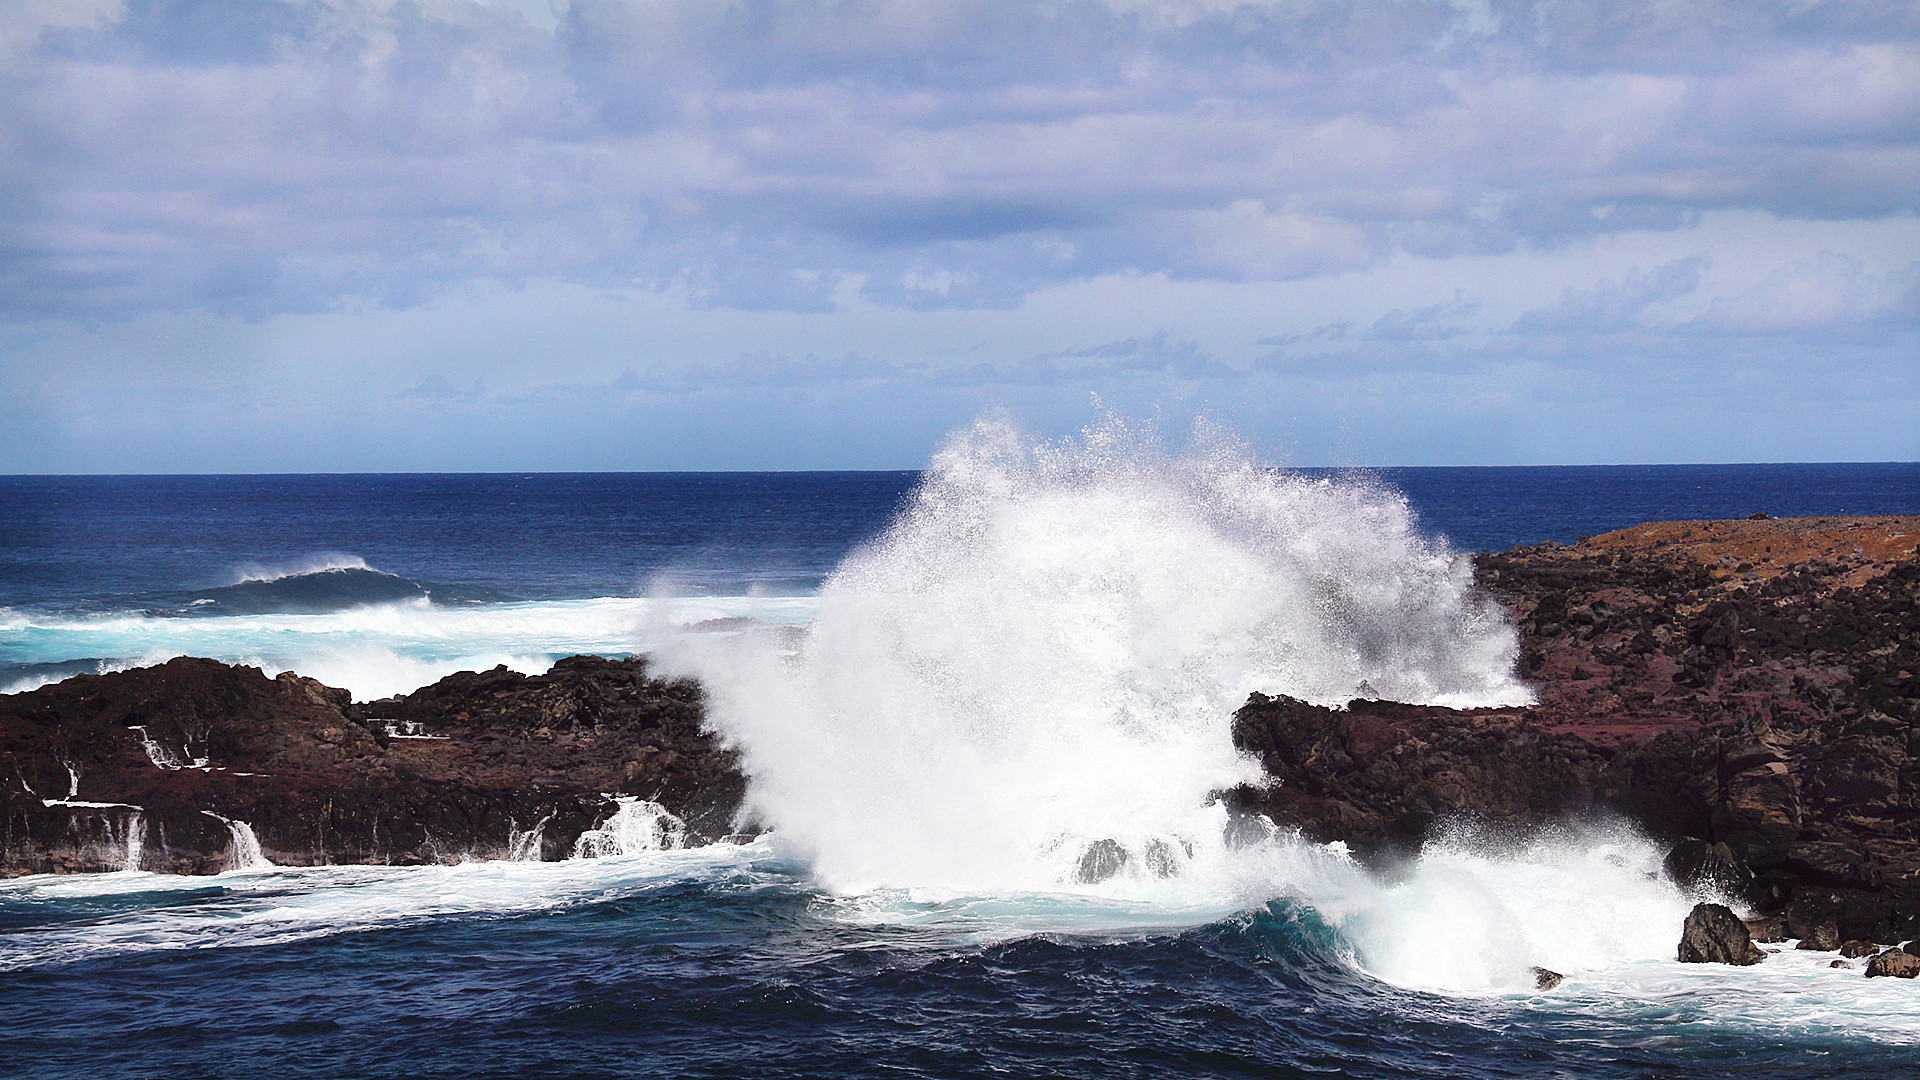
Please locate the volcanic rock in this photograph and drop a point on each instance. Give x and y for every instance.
(1744, 689)
(1544, 979)
(1822, 938)
(144, 767)
(1713, 934)
(1853, 950)
(1894, 963)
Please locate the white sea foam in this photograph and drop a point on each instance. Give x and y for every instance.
(639, 825)
(312, 564)
(273, 906)
(1045, 651)
(383, 649)
(243, 847)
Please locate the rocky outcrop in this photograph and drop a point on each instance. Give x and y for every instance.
(1713, 934)
(153, 768)
(1894, 963)
(1744, 689)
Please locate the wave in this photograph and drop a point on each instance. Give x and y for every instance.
(1283, 952)
(336, 588)
(1032, 674)
(312, 564)
(379, 650)
(137, 911)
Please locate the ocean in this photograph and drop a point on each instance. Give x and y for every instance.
(937, 679)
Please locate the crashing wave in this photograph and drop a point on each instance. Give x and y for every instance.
(1041, 657)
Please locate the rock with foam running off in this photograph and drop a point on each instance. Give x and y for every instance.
(1894, 963)
(1713, 934)
(1544, 979)
(515, 767)
(1854, 950)
(1768, 929)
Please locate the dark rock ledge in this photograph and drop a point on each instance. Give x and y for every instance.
(321, 779)
(1744, 689)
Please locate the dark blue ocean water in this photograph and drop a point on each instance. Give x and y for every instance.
(728, 964)
(66, 540)
(744, 972)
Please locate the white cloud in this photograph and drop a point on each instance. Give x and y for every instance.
(265, 156)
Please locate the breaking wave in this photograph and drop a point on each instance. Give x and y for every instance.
(1028, 680)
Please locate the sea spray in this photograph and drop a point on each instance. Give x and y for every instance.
(527, 845)
(637, 825)
(1472, 913)
(1039, 660)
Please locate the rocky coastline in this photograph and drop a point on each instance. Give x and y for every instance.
(1744, 690)
(148, 768)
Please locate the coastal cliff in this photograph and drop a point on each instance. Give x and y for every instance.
(1743, 689)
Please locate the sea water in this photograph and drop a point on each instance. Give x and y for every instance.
(950, 687)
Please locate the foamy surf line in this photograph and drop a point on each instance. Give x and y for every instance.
(380, 650)
(283, 905)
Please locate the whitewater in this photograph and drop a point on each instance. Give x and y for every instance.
(985, 711)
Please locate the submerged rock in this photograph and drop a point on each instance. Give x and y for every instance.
(1894, 963)
(1713, 934)
(1102, 860)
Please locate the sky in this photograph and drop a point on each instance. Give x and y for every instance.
(446, 235)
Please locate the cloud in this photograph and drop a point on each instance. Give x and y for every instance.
(436, 391)
(263, 156)
(1613, 306)
(1827, 292)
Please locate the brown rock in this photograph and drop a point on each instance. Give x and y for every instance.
(1713, 934)
(1894, 963)
(319, 783)
(1822, 938)
(1544, 979)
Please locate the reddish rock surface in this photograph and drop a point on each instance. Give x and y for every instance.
(1749, 684)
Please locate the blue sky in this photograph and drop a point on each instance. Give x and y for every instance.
(320, 235)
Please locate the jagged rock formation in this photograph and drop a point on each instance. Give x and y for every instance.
(1744, 688)
(1894, 963)
(147, 767)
